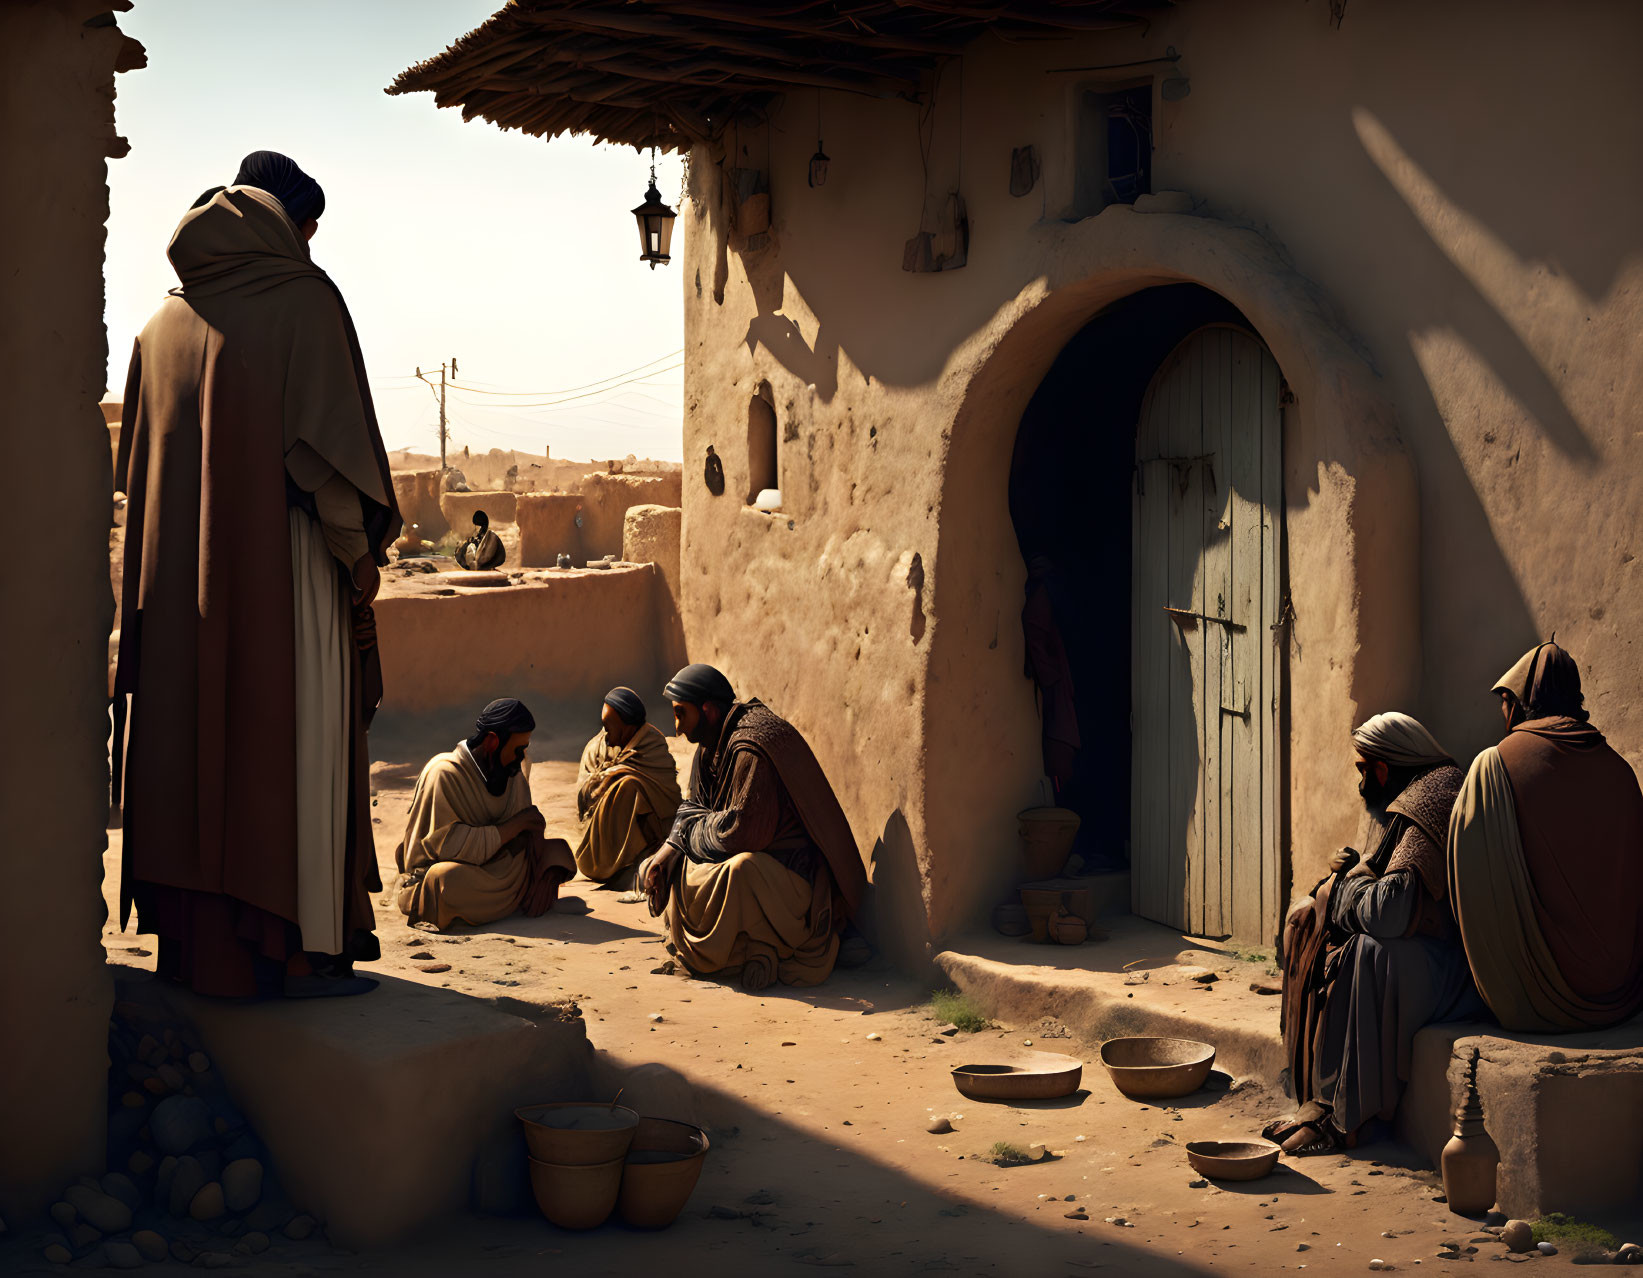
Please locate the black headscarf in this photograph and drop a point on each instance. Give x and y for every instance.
(700, 683)
(629, 708)
(279, 175)
(482, 521)
(504, 717)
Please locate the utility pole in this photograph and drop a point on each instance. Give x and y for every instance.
(444, 432)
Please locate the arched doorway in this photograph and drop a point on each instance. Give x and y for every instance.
(1122, 477)
(1206, 596)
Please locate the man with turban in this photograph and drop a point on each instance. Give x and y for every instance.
(627, 790)
(1374, 954)
(260, 507)
(1546, 858)
(760, 872)
(473, 850)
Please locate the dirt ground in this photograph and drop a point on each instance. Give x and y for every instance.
(818, 1103)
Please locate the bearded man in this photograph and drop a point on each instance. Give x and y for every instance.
(1374, 954)
(627, 790)
(473, 850)
(260, 506)
(760, 872)
(1546, 857)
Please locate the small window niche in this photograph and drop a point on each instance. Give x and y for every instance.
(1113, 161)
(763, 452)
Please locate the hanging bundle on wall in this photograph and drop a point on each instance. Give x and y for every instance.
(947, 246)
(1024, 170)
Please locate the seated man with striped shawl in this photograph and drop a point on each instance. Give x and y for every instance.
(760, 872)
(473, 850)
(1546, 856)
(1374, 954)
(627, 790)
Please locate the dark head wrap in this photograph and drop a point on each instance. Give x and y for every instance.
(1546, 684)
(628, 706)
(298, 194)
(699, 683)
(481, 520)
(503, 717)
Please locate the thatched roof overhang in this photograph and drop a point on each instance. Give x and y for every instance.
(670, 73)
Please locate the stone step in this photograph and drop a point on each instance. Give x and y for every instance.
(389, 1110)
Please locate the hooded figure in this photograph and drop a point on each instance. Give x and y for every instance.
(260, 506)
(483, 551)
(627, 790)
(1546, 856)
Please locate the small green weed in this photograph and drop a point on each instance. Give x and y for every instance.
(1252, 956)
(957, 1009)
(1577, 1235)
(1005, 1154)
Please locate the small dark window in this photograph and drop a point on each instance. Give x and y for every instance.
(1114, 163)
(761, 447)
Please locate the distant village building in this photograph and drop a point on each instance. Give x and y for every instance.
(1299, 338)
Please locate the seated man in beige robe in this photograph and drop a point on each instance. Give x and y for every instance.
(760, 872)
(473, 850)
(627, 790)
(1546, 855)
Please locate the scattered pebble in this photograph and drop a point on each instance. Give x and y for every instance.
(656, 1016)
(208, 1203)
(1303, 1246)
(1195, 1184)
(875, 1038)
(1077, 1213)
(299, 1227)
(1546, 1249)
(122, 1255)
(435, 967)
(422, 956)
(150, 1244)
(1379, 1264)
(939, 1126)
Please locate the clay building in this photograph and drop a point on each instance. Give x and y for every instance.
(1301, 338)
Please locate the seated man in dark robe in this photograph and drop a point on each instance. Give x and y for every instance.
(473, 850)
(1546, 858)
(483, 551)
(1374, 953)
(760, 872)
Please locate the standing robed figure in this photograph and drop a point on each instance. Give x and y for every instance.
(260, 506)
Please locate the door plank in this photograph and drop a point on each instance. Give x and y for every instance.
(1217, 423)
(1187, 882)
(1248, 358)
(1274, 649)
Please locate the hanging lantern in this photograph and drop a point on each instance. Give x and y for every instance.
(818, 166)
(818, 161)
(655, 222)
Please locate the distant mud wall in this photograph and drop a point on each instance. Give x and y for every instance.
(567, 640)
(650, 535)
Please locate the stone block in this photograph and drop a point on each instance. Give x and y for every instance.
(336, 1084)
(1566, 1111)
(458, 508)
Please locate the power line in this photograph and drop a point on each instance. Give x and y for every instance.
(566, 399)
(480, 390)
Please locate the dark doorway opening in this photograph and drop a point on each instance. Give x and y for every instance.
(1070, 501)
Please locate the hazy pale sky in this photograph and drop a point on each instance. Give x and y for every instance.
(516, 255)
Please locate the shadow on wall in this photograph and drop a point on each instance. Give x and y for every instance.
(894, 919)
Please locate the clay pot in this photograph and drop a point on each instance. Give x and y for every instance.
(1010, 919)
(576, 1197)
(1233, 1159)
(1471, 1158)
(579, 1133)
(1067, 929)
(1047, 836)
(661, 1172)
(1042, 901)
(1144, 1068)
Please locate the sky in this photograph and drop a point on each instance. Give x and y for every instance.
(517, 256)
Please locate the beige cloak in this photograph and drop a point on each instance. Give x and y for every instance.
(453, 865)
(625, 797)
